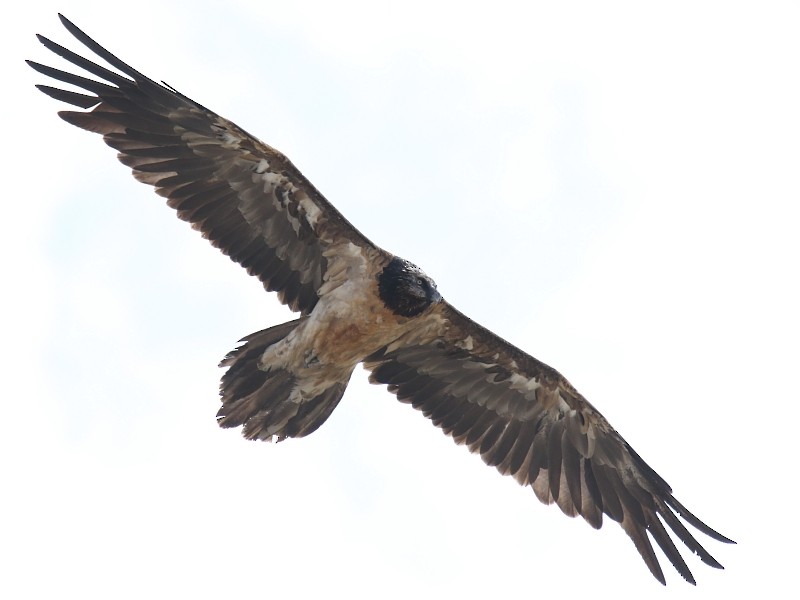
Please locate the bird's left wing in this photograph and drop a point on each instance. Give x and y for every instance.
(526, 420)
(247, 198)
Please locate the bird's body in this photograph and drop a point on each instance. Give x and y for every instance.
(361, 304)
(309, 361)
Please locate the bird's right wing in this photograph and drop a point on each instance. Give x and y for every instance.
(525, 419)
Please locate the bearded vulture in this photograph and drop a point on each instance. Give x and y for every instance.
(358, 303)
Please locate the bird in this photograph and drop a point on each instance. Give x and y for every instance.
(357, 303)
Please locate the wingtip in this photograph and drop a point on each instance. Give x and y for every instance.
(71, 27)
(697, 523)
(687, 577)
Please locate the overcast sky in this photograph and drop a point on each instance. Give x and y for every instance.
(611, 187)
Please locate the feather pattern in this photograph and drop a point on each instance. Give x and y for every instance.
(526, 420)
(245, 197)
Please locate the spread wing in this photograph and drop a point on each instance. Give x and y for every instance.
(244, 196)
(526, 420)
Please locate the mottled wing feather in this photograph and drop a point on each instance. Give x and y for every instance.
(244, 196)
(526, 420)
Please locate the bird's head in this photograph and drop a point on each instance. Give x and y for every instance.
(405, 288)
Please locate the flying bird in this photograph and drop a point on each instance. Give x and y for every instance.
(358, 303)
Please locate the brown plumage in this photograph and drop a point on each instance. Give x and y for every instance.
(360, 304)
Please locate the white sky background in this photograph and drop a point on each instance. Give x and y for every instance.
(613, 189)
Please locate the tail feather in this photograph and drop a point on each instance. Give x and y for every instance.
(313, 414)
(262, 404)
(261, 400)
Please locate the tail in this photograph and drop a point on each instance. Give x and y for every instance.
(260, 400)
